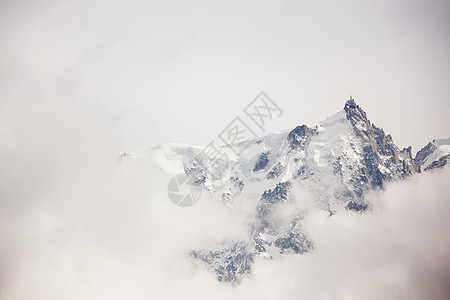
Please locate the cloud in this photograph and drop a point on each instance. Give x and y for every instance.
(108, 230)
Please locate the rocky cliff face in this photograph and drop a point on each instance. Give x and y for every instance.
(338, 161)
(382, 158)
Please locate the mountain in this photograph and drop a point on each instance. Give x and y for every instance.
(337, 162)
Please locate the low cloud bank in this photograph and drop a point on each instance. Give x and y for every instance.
(108, 231)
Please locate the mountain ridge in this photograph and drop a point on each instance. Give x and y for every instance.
(338, 161)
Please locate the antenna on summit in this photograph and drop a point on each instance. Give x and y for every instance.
(351, 98)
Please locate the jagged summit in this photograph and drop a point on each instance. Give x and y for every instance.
(351, 103)
(355, 113)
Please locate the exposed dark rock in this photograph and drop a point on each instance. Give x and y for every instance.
(409, 165)
(262, 162)
(371, 167)
(350, 103)
(279, 194)
(298, 137)
(440, 163)
(290, 239)
(294, 240)
(229, 263)
(300, 172)
(196, 171)
(276, 171)
(379, 150)
(238, 183)
(355, 206)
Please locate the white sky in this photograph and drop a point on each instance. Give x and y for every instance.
(150, 72)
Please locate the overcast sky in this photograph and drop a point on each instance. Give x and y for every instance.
(150, 72)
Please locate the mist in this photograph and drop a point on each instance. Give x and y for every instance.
(83, 81)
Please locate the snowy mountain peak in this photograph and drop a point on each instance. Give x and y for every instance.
(354, 111)
(356, 115)
(338, 161)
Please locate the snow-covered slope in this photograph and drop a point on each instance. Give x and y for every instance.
(434, 155)
(337, 161)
